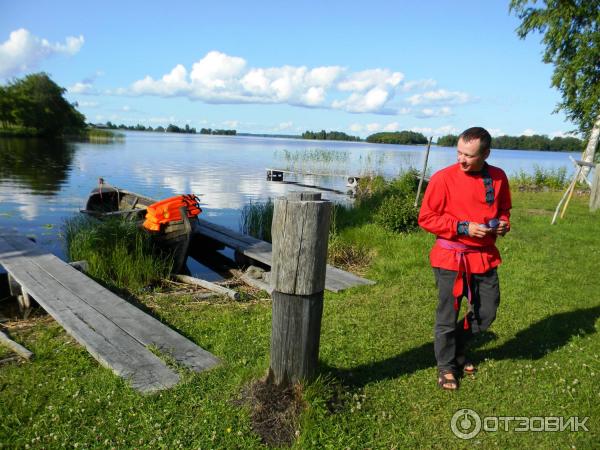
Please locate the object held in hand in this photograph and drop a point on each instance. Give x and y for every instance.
(493, 223)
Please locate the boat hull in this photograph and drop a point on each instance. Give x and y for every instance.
(174, 237)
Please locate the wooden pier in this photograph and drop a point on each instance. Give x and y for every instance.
(277, 175)
(336, 279)
(113, 331)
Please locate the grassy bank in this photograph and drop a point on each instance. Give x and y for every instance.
(377, 385)
(94, 135)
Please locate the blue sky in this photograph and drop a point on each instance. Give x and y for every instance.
(436, 67)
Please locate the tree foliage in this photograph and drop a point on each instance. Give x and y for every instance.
(36, 102)
(329, 136)
(218, 132)
(571, 36)
(450, 140)
(398, 137)
(535, 142)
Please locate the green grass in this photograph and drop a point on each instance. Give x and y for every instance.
(377, 385)
(555, 179)
(256, 219)
(117, 252)
(100, 136)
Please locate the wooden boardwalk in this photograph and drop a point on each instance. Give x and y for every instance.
(335, 279)
(114, 331)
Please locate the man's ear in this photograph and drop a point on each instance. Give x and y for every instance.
(486, 154)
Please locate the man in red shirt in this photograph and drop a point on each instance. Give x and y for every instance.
(466, 205)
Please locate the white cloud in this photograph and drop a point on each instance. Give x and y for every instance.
(563, 134)
(285, 125)
(435, 112)
(126, 108)
(528, 132)
(231, 123)
(393, 126)
(324, 76)
(368, 79)
(373, 101)
(81, 88)
(440, 96)
(397, 126)
(495, 132)
(88, 104)
(418, 84)
(436, 132)
(171, 84)
(23, 51)
(371, 127)
(216, 70)
(221, 78)
(314, 96)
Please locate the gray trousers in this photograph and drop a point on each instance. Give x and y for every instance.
(450, 337)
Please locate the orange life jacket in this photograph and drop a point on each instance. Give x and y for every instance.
(167, 210)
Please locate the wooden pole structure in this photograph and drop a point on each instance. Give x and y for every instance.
(595, 194)
(17, 348)
(221, 290)
(300, 233)
(571, 186)
(423, 172)
(564, 210)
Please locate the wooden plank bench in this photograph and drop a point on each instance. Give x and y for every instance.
(335, 279)
(114, 331)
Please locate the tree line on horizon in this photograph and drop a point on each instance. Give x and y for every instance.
(169, 129)
(534, 142)
(329, 136)
(398, 137)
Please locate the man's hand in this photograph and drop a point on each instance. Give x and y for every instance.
(477, 231)
(503, 228)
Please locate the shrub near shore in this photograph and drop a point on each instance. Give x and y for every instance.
(117, 251)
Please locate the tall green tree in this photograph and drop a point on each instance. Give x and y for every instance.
(38, 102)
(571, 35)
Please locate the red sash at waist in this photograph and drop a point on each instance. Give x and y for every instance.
(464, 271)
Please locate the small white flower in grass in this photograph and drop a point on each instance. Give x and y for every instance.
(575, 381)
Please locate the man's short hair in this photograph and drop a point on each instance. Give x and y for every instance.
(485, 140)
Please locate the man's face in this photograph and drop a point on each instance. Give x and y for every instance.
(468, 156)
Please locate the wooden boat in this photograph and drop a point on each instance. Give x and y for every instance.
(174, 236)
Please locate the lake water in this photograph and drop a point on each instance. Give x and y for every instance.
(43, 183)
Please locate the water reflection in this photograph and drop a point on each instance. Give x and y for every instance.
(41, 165)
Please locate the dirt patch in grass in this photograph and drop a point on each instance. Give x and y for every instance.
(275, 411)
(538, 212)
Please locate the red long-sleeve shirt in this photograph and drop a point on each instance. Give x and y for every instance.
(454, 196)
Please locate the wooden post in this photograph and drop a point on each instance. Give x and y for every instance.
(423, 172)
(300, 232)
(595, 193)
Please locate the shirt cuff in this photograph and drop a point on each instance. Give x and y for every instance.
(462, 229)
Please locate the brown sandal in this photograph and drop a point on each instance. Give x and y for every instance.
(448, 384)
(469, 368)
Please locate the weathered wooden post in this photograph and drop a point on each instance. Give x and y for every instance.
(300, 233)
(595, 194)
